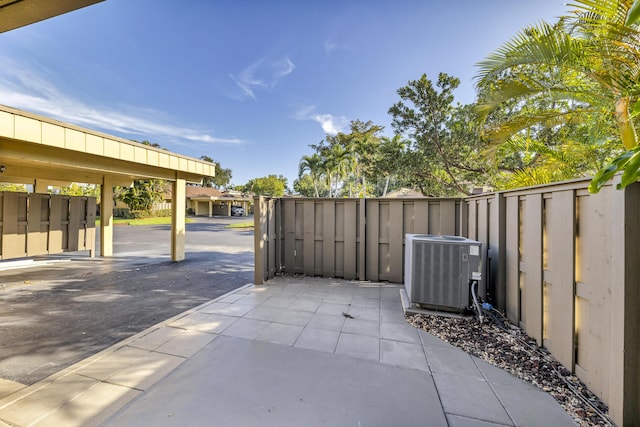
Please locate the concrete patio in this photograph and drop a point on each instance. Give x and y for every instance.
(285, 354)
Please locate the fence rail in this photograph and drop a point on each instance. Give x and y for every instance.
(562, 263)
(38, 224)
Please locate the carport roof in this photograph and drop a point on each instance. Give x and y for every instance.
(36, 147)
(18, 13)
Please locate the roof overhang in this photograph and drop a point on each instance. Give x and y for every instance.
(36, 147)
(18, 13)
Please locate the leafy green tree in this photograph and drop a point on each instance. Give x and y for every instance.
(76, 189)
(16, 188)
(306, 187)
(442, 157)
(142, 194)
(270, 186)
(588, 61)
(222, 178)
(312, 164)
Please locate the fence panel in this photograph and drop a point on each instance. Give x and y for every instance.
(38, 224)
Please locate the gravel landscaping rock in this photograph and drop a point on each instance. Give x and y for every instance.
(508, 347)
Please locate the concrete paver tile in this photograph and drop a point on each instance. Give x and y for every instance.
(366, 302)
(252, 299)
(235, 382)
(32, 407)
(280, 334)
(235, 310)
(532, 408)
(310, 304)
(327, 321)
(400, 332)
(359, 346)
(362, 327)
(339, 298)
(497, 375)
(390, 293)
(470, 397)
(104, 367)
(186, 344)
(391, 304)
(8, 387)
(263, 313)
(156, 338)
(393, 316)
(451, 361)
(213, 307)
(246, 328)
(365, 313)
(459, 421)
(431, 340)
(318, 339)
(330, 308)
(231, 298)
(279, 302)
(88, 408)
(368, 291)
(146, 371)
(203, 322)
(294, 317)
(404, 355)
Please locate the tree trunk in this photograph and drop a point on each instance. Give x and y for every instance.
(625, 125)
(386, 186)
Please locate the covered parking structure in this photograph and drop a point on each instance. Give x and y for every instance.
(40, 151)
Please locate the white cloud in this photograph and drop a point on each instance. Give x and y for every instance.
(331, 46)
(330, 124)
(22, 88)
(262, 74)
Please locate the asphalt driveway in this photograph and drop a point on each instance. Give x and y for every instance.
(65, 308)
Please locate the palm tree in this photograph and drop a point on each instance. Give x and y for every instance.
(313, 164)
(589, 60)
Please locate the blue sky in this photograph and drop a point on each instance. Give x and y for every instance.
(249, 83)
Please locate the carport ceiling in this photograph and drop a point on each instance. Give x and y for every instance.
(36, 147)
(18, 13)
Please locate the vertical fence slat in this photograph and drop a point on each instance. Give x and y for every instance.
(289, 230)
(372, 239)
(448, 217)
(309, 234)
(560, 231)
(532, 310)
(512, 259)
(421, 217)
(329, 239)
(396, 239)
(362, 239)
(350, 226)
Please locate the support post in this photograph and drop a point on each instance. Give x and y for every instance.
(106, 217)
(258, 240)
(624, 378)
(178, 228)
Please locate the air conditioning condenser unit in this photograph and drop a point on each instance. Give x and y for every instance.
(438, 270)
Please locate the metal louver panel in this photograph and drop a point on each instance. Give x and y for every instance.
(438, 270)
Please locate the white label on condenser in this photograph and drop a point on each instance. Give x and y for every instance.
(474, 250)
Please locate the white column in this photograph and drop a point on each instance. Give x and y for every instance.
(178, 229)
(106, 217)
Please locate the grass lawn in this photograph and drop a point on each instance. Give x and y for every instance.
(247, 224)
(144, 221)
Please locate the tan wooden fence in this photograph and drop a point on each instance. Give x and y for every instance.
(328, 237)
(562, 263)
(39, 224)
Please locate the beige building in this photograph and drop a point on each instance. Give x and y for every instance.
(39, 151)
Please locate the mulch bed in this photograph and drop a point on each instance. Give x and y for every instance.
(508, 347)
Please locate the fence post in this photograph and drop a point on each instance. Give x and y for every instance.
(362, 252)
(259, 223)
(624, 378)
(497, 253)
